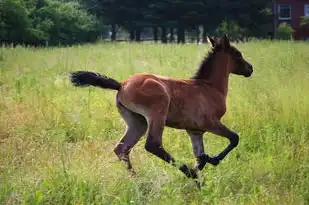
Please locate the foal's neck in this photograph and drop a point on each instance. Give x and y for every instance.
(220, 76)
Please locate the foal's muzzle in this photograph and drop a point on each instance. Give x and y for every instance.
(249, 70)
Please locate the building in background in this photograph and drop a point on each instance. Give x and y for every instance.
(291, 11)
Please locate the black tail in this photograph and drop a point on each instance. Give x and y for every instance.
(85, 78)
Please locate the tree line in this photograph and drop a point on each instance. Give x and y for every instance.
(53, 22)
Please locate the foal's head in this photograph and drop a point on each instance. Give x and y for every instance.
(237, 65)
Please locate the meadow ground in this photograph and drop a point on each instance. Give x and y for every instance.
(56, 141)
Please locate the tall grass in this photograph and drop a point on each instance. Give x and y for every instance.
(56, 140)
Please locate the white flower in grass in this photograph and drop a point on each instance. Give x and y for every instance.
(59, 82)
(62, 80)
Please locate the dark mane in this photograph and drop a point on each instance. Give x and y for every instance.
(205, 68)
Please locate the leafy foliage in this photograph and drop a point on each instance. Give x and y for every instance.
(74, 21)
(46, 21)
(14, 21)
(231, 28)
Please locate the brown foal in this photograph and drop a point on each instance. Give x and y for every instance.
(149, 102)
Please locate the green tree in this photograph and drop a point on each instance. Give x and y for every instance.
(249, 15)
(39, 21)
(14, 21)
(108, 10)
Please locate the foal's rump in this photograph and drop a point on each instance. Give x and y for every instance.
(144, 94)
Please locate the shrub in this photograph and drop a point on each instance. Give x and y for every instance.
(284, 31)
(304, 21)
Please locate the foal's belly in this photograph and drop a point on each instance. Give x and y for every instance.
(184, 124)
(189, 119)
(175, 124)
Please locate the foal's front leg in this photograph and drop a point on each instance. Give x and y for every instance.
(156, 123)
(198, 149)
(223, 131)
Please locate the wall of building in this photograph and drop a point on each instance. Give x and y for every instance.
(298, 9)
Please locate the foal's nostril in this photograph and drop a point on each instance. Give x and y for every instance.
(250, 68)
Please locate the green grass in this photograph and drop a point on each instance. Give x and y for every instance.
(56, 141)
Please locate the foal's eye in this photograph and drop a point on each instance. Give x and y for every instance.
(238, 55)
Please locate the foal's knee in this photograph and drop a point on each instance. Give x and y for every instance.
(202, 160)
(234, 139)
(121, 150)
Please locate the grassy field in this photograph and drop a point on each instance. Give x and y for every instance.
(56, 141)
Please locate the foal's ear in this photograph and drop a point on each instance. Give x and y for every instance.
(225, 41)
(212, 41)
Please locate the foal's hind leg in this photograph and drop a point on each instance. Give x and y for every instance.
(233, 138)
(136, 128)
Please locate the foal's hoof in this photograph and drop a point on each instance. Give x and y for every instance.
(213, 161)
(198, 185)
(132, 173)
(190, 173)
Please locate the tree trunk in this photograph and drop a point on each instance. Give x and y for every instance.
(155, 34)
(132, 34)
(113, 36)
(138, 34)
(163, 34)
(197, 35)
(205, 34)
(192, 38)
(181, 34)
(172, 39)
